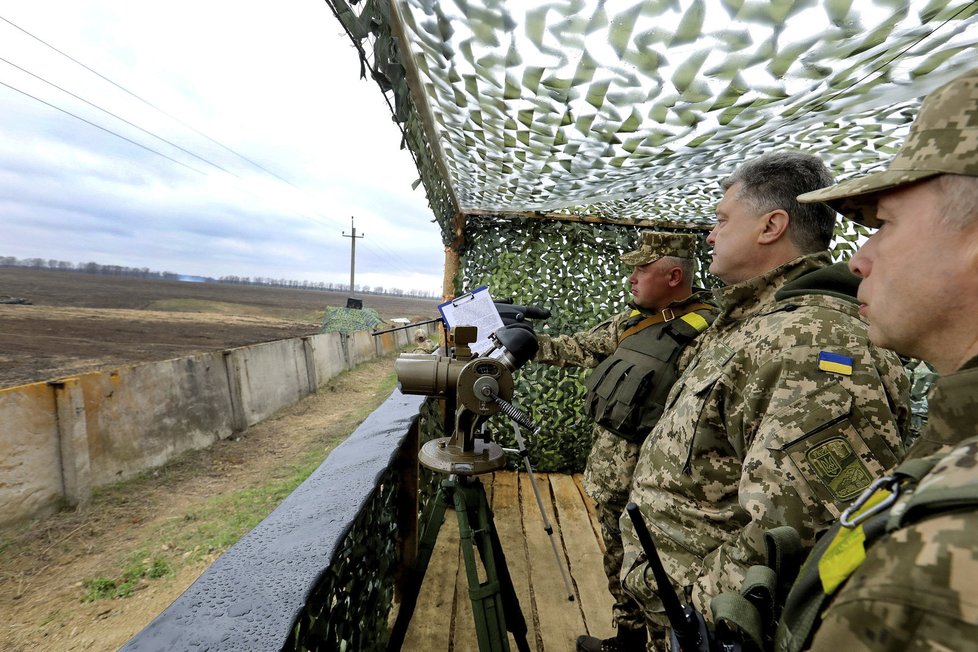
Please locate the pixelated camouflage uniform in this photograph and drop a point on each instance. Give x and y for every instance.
(608, 473)
(918, 585)
(922, 377)
(756, 435)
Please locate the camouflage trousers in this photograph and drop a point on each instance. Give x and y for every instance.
(608, 479)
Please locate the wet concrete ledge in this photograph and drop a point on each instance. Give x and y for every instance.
(251, 596)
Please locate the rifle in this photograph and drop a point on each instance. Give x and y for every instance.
(689, 630)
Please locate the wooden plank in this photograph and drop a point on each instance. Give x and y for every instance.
(431, 624)
(443, 619)
(584, 549)
(561, 621)
(507, 508)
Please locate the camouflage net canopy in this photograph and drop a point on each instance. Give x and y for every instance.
(635, 109)
(546, 132)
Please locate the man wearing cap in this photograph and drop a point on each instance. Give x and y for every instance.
(422, 343)
(916, 584)
(785, 411)
(636, 354)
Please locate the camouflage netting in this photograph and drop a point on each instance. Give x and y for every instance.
(632, 109)
(349, 320)
(582, 282)
(524, 116)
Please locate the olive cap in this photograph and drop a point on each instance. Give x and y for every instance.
(942, 140)
(653, 245)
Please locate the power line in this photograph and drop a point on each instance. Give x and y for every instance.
(316, 218)
(322, 219)
(78, 117)
(160, 110)
(384, 253)
(147, 102)
(117, 117)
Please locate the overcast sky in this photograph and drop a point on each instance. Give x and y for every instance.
(265, 142)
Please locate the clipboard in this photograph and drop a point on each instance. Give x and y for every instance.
(473, 308)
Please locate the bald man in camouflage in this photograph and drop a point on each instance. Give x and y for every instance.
(636, 354)
(916, 585)
(784, 413)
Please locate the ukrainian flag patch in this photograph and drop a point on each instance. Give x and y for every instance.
(835, 363)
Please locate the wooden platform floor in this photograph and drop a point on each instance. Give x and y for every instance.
(443, 618)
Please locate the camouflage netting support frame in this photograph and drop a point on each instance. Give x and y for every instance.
(573, 269)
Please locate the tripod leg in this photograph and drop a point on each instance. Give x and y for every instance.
(502, 612)
(426, 545)
(487, 607)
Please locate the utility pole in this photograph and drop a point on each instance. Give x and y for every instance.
(353, 250)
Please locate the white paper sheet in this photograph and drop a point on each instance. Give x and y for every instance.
(473, 309)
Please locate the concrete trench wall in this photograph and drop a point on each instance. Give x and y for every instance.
(61, 439)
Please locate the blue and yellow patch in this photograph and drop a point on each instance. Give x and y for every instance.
(835, 363)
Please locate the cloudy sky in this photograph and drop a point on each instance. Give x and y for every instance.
(209, 137)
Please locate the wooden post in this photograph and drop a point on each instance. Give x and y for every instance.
(451, 272)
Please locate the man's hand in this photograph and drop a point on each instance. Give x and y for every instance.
(519, 339)
(515, 314)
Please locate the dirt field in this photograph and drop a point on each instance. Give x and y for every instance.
(167, 517)
(83, 322)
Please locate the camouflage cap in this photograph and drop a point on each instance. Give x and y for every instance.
(653, 245)
(942, 140)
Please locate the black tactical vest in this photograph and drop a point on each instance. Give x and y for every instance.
(626, 393)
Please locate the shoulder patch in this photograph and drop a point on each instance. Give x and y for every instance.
(839, 468)
(835, 363)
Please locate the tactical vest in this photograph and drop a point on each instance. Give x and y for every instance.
(755, 614)
(626, 393)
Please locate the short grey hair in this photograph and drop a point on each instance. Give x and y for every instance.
(686, 265)
(959, 199)
(774, 180)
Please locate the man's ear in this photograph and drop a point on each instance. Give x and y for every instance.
(675, 277)
(774, 226)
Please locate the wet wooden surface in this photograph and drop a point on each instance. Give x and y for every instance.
(443, 619)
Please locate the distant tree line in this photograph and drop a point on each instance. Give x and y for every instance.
(145, 272)
(328, 286)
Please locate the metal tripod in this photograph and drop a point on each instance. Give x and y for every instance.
(495, 604)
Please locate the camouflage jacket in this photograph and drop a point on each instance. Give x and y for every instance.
(584, 348)
(611, 460)
(783, 415)
(588, 348)
(916, 588)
